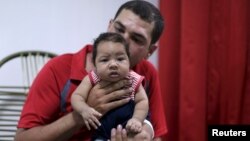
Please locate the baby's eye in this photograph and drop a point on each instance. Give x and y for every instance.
(103, 60)
(120, 58)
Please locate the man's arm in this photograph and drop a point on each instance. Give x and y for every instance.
(60, 130)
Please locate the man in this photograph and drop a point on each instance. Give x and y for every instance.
(47, 113)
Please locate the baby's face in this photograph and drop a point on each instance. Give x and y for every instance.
(112, 62)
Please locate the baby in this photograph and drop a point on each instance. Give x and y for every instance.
(111, 60)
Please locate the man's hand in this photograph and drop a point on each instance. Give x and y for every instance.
(104, 97)
(119, 134)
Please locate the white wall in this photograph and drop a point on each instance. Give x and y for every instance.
(58, 26)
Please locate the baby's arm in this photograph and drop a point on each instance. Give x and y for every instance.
(78, 101)
(140, 111)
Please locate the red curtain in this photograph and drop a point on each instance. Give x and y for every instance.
(204, 65)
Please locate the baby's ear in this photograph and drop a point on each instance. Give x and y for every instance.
(151, 50)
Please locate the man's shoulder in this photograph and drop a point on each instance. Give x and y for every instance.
(66, 58)
(60, 59)
(144, 66)
(146, 69)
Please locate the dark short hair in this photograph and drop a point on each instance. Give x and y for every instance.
(147, 12)
(109, 36)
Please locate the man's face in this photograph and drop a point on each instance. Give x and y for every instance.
(136, 32)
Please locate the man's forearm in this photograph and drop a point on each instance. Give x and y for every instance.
(60, 130)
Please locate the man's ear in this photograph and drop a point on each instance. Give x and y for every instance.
(151, 50)
(110, 23)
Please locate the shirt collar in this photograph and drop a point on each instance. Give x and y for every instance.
(78, 63)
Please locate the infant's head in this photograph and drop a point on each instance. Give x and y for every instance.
(111, 56)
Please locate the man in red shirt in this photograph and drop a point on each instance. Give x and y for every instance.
(47, 113)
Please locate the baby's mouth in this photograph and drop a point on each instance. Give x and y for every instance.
(114, 74)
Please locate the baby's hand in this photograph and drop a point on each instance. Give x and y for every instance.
(134, 125)
(90, 117)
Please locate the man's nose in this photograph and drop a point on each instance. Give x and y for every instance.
(126, 37)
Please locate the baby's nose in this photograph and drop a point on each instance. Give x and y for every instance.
(113, 64)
